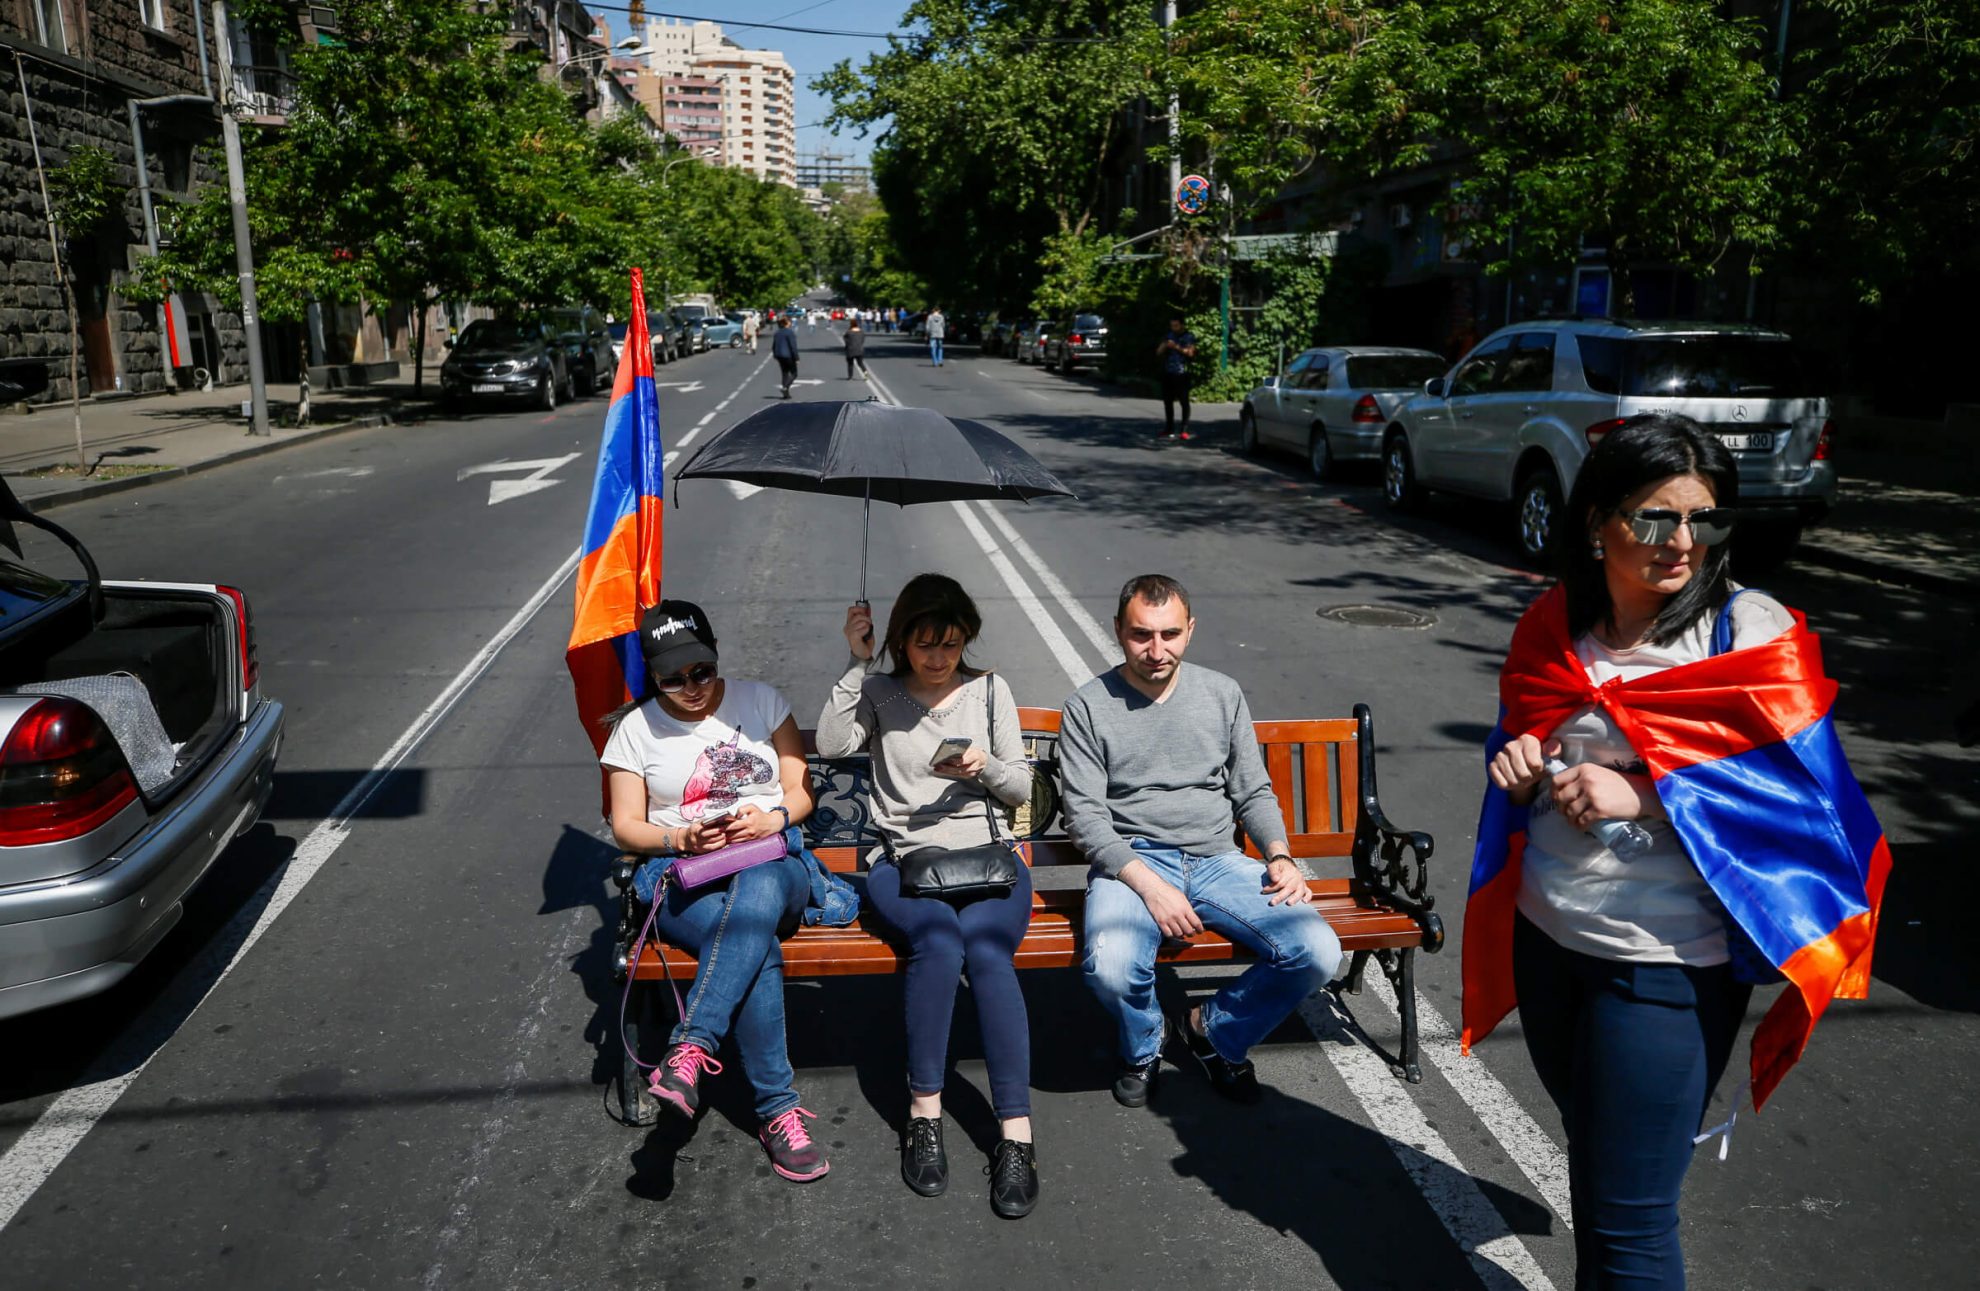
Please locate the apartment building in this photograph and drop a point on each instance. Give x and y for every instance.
(757, 100)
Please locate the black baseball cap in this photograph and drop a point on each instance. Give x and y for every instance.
(674, 636)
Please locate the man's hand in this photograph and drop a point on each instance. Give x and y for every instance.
(1285, 884)
(1173, 913)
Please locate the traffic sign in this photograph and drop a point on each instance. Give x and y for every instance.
(1193, 195)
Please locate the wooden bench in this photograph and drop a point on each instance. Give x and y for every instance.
(1323, 771)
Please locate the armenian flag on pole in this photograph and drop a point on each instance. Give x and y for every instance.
(1745, 759)
(618, 572)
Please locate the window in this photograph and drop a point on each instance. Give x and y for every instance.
(48, 21)
(1531, 364)
(1392, 371)
(152, 14)
(1479, 374)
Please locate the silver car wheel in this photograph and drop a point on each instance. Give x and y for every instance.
(1320, 454)
(1247, 431)
(1399, 487)
(1537, 506)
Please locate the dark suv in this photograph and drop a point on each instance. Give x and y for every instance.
(505, 358)
(1514, 419)
(1077, 339)
(587, 342)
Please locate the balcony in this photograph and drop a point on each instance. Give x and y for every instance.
(266, 93)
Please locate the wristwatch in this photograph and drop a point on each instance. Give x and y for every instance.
(784, 811)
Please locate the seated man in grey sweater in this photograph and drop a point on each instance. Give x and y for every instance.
(1159, 763)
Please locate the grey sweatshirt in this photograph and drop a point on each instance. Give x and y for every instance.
(912, 806)
(1179, 774)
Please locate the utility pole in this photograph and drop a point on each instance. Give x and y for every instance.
(1175, 113)
(230, 137)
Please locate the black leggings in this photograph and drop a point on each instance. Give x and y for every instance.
(1175, 389)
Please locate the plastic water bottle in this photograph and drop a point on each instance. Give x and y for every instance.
(1626, 838)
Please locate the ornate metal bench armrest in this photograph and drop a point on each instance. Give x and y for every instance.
(1392, 862)
(622, 870)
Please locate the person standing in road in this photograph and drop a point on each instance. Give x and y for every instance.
(1160, 764)
(928, 699)
(1175, 352)
(750, 325)
(1669, 821)
(938, 327)
(784, 348)
(856, 350)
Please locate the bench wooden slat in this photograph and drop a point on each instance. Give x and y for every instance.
(1279, 767)
(1317, 799)
(1324, 730)
(1045, 720)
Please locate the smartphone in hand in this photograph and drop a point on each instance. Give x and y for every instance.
(950, 749)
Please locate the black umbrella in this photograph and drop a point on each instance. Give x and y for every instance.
(871, 450)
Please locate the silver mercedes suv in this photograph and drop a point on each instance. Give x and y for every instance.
(1516, 416)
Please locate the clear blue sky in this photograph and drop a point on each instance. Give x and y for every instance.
(807, 54)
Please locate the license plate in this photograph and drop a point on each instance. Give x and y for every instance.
(489, 387)
(1759, 441)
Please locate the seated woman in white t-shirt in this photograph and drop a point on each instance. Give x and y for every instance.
(706, 762)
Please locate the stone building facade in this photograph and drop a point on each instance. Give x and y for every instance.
(80, 66)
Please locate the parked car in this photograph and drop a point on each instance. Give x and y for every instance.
(589, 354)
(997, 336)
(718, 330)
(670, 330)
(1333, 403)
(1078, 338)
(505, 359)
(1516, 416)
(137, 744)
(1040, 336)
(1022, 335)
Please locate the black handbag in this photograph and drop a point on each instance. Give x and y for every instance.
(964, 873)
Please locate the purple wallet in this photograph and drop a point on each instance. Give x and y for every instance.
(706, 867)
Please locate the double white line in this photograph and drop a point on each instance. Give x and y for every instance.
(1497, 1255)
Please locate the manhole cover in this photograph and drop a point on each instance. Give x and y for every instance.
(1377, 616)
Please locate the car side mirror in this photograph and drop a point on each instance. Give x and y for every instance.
(1434, 387)
(1272, 383)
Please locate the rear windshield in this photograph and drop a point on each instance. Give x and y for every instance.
(22, 591)
(485, 331)
(1696, 367)
(1392, 371)
(1089, 322)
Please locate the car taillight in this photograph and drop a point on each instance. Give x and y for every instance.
(1822, 445)
(1075, 339)
(1367, 410)
(61, 775)
(1595, 432)
(244, 622)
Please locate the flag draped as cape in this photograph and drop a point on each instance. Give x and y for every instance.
(618, 571)
(1745, 759)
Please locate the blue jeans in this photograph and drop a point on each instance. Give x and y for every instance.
(941, 939)
(935, 349)
(1629, 1053)
(1297, 952)
(739, 988)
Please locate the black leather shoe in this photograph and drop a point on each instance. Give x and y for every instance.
(1013, 1172)
(1134, 1085)
(1236, 1081)
(924, 1163)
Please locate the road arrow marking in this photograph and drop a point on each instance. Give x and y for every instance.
(534, 482)
(739, 490)
(809, 381)
(685, 387)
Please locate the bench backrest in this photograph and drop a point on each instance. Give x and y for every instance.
(1315, 766)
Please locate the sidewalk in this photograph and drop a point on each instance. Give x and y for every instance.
(133, 442)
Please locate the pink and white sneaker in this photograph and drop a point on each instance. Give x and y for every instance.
(676, 1081)
(793, 1152)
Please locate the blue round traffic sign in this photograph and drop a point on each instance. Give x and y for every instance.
(1193, 195)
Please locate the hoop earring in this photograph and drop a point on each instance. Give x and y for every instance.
(1600, 550)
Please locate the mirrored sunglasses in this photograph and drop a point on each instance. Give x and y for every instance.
(1655, 526)
(699, 675)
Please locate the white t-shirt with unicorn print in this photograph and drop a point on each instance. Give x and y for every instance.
(698, 769)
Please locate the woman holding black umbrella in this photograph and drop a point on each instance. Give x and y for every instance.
(947, 750)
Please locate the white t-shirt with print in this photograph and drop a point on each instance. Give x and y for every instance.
(693, 769)
(1655, 908)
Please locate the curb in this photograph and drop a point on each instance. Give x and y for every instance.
(102, 488)
(1878, 572)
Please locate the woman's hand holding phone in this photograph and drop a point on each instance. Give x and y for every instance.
(967, 765)
(752, 823)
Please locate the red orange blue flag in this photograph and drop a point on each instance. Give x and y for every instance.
(1745, 759)
(618, 571)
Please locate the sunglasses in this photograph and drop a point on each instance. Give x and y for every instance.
(1654, 526)
(699, 675)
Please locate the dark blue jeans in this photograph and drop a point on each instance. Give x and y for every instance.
(1629, 1053)
(738, 990)
(942, 938)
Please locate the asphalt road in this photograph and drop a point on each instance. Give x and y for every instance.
(404, 1080)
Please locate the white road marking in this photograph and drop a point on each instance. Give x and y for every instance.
(1497, 1256)
(34, 1156)
(1076, 669)
(699, 426)
(534, 482)
(1102, 640)
(353, 472)
(685, 387)
(740, 490)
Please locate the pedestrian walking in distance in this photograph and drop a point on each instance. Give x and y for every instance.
(856, 351)
(1175, 352)
(750, 324)
(784, 348)
(938, 326)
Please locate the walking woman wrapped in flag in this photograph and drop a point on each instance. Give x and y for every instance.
(1670, 821)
